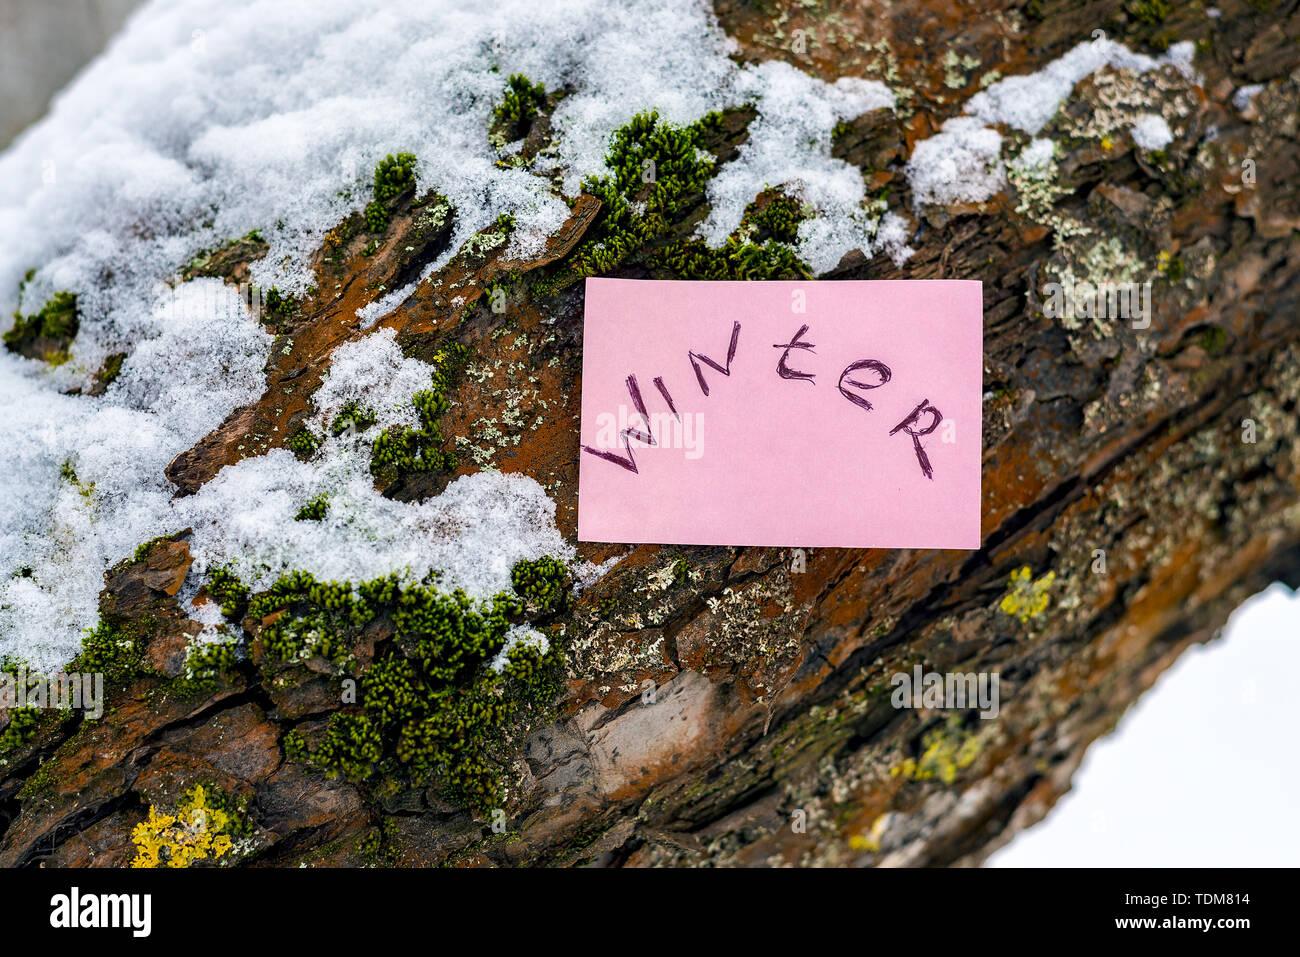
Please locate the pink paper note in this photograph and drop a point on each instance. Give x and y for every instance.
(712, 416)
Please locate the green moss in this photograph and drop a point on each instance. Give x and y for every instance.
(228, 592)
(1149, 11)
(315, 510)
(778, 218)
(659, 175)
(543, 583)
(655, 165)
(692, 259)
(353, 416)
(681, 571)
(208, 663)
(49, 333)
(350, 747)
(43, 779)
(513, 116)
(304, 443)
(114, 648)
(277, 308)
(377, 849)
(23, 723)
(400, 451)
(394, 176)
(431, 709)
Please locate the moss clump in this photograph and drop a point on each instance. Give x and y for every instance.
(203, 826)
(394, 176)
(208, 663)
(399, 451)
(353, 417)
(658, 180)
(759, 249)
(48, 334)
(735, 260)
(1149, 11)
(775, 216)
(228, 592)
(315, 510)
(513, 117)
(22, 726)
(543, 583)
(644, 149)
(304, 443)
(377, 848)
(277, 308)
(114, 648)
(350, 747)
(432, 707)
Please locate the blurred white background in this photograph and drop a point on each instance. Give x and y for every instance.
(43, 43)
(1203, 771)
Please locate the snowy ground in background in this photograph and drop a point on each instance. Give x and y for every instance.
(1202, 771)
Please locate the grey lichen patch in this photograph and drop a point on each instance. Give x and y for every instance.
(617, 643)
(514, 391)
(957, 68)
(1036, 176)
(1112, 101)
(757, 625)
(1080, 268)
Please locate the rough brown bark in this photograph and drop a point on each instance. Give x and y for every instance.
(772, 692)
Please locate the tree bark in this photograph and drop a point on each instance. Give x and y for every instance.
(741, 714)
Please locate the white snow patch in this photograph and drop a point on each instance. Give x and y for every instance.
(61, 527)
(962, 163)
(1151, 132)
(1243, 96)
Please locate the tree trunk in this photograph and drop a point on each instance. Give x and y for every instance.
(732, 706)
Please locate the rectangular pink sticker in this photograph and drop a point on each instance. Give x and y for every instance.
(814, 414)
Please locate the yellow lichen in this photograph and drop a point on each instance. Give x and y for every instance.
(1027, 598)
(196, 831)
(946, 750)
